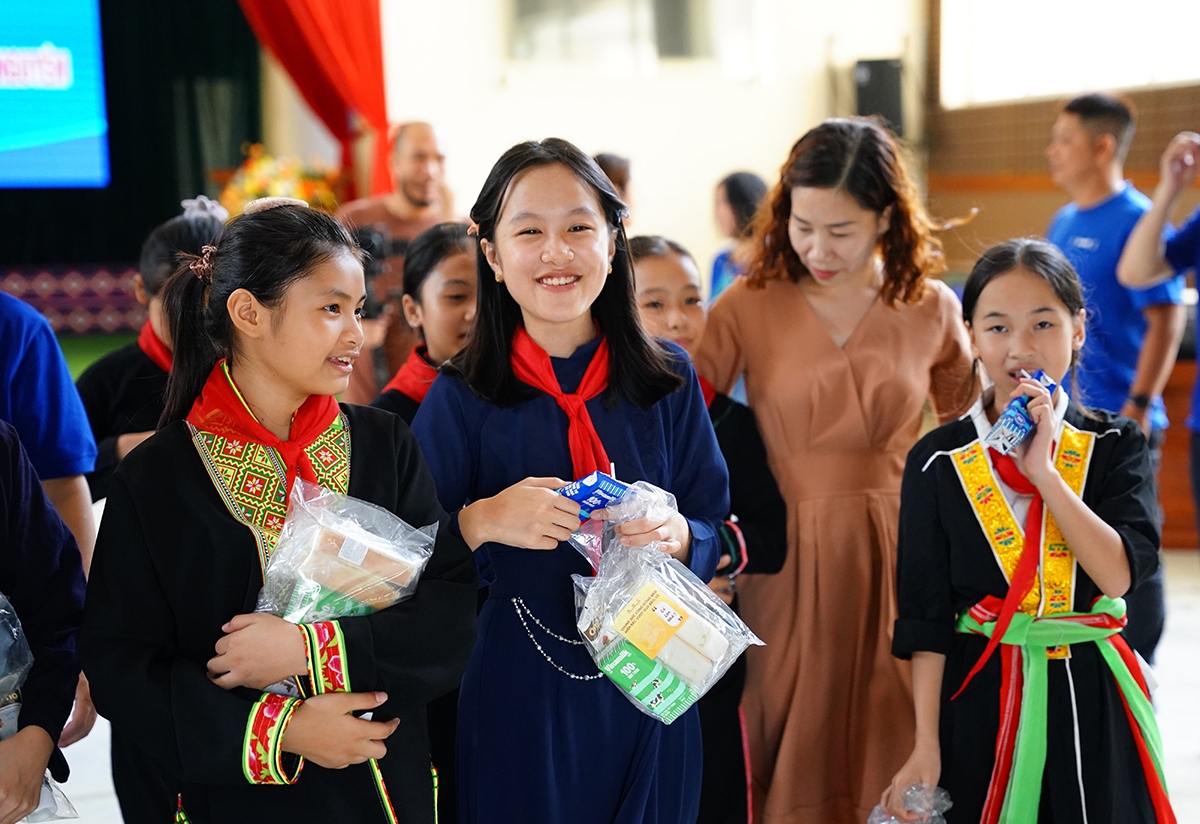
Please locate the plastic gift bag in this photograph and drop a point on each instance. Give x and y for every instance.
(16, 660)
(53, 804)
(621, 502)
(927, 802)
(339, 557)
(655, 629)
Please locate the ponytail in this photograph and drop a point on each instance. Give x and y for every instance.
(184, 298)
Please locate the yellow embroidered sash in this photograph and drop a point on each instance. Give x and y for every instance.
(252, 481)
(1054, 587)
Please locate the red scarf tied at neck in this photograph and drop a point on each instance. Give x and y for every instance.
(531, 364)
(416, 375)
(150, 343)
(222, 410)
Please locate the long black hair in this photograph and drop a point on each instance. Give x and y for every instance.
(430, 248)
(263, 252)
(639, 370)
(185, 234)
(1039, 257)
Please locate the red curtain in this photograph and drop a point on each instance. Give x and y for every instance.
(333, 50)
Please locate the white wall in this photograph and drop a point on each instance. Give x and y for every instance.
(684, 124)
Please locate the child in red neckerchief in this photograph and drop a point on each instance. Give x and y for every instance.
(1030, 706)
(266, 331)
(754, 535)
(439, 302)
(558, 380)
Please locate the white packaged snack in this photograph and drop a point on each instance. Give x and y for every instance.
(654, 628)
(338, 557)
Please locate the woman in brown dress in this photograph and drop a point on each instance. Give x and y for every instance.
(841, 335)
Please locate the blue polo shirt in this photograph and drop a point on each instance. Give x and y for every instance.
(1182, 251)
(41, 401)
(1092, 239)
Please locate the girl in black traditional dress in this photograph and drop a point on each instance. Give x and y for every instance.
(1030, 706)
(266, 331)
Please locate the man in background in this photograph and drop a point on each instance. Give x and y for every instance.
(1132, 334)
(419, 199)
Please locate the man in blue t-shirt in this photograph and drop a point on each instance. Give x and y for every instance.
(44, 407)
(1157, 251)
(1133, 334)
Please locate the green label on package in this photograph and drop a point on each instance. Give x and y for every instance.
(653, 686)
(310, 601)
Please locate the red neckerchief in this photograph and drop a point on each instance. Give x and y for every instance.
(416, 375)
(150, 343)
(531, 364)
(708, 390)
(1027, 565)
(220, 409)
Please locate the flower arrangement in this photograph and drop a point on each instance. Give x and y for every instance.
(262, 175)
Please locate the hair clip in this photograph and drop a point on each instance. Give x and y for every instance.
(202, 267)
(262, 204)
(201, 206)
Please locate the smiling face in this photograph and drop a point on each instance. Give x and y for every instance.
(552, 248)
(313, 337)
(1020, 323)
(834, 237)
(668, 299)
(447, 306)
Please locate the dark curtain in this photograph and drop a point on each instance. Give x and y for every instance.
(182, 91)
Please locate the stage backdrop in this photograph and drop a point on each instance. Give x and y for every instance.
(180, 97)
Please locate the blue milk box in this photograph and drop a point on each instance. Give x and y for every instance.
(596, 491)
(1014, 423)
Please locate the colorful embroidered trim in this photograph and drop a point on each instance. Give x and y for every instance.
(1015, 788)
(325, 648)
(434, 771)
(263, 755)
(385, 800)
(253, 482)
(1054, 586)
(181, 816)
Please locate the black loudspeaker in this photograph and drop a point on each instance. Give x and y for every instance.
(877, 84)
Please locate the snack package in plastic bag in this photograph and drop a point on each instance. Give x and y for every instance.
(16, 660)
(339, 557)
(622, 503)
(927, 802)
(655, 629)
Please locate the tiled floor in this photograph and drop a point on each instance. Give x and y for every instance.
(1178, 696)
(1178, 701)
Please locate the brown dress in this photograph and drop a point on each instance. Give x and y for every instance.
(829, 712)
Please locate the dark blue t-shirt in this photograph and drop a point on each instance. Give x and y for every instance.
(1182, 251)
(1092, 239)
(41, 401)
